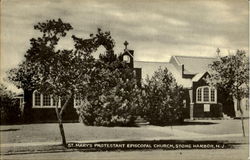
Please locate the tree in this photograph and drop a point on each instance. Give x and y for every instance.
(9, 109)
(231, 73)
(109, 98)
(60, 73)
(50, 70)
(163, 99)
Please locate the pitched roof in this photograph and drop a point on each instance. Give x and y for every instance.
(198, 76)
(195, 65)
(148, 68)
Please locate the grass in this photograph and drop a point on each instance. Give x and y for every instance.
(74, 132)
(47, 132)
(215, 127)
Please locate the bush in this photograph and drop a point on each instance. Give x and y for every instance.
(162, 99)
(10, 111)
(111, 97)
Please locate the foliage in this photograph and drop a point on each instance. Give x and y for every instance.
(110, 98)
(226, 99)
(23, 76)
(163, 99)
(64, 73)
(10, 111)
(231, 73)
(48, 69)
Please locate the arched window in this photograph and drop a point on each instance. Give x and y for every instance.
(126, 58)
(206, 94)
(43, 101)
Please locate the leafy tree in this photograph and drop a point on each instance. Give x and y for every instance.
(10, 111)
(110, 96)
(24, 76)
(163, 99)
(231, 73)
(110, 100)
(48, 69)
(60, 73)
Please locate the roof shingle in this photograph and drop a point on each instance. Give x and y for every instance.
(195, 65)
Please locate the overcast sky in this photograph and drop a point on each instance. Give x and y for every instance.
(154, 29)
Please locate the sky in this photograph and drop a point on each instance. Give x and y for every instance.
(155, 30)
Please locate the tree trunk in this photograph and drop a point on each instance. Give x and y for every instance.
(59, 117)
(242, 118)
(27, 110)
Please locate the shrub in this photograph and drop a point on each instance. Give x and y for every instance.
(162, 99)
(10, 111)
(111, 96)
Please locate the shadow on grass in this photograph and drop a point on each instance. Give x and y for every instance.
(178, 124)
(196, 123)
(9, 130)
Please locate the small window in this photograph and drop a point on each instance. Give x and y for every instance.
(134, 72)
(212, 95)
(77, 100)
(126, 58)
(206, 94)
(199, 91)
(46, 100)
(37, 99)
(184, 103)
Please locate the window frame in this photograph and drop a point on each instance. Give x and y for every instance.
(35, 97)
(50, 100)
(41, 101)
(199, 94)
(75, 101)
(209, 95)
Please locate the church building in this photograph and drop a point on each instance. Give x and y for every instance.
(201, 100)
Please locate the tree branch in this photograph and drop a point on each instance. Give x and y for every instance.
(65, 104)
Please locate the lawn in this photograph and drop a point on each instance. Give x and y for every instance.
(74, 132)
(47, 132)
(214, 127)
